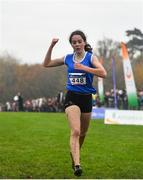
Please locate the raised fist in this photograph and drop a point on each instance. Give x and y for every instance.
(54, 41)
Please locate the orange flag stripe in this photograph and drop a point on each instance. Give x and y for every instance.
(124, 51)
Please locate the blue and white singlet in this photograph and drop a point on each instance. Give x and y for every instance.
(79, 80)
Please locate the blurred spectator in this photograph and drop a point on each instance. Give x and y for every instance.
(60, 101)
(94, 99)
(20, 102)
(18, 105)
(8, 106)
(140, 99)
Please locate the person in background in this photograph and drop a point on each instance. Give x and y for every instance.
(82, 66)
(60, 101)
(20, 102)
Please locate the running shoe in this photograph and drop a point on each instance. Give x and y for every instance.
(77, 170)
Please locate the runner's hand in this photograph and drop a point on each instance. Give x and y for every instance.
(54, 41)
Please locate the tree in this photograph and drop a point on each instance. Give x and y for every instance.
(107, 49)
(135, 43)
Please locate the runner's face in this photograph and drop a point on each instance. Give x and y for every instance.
(77, 43)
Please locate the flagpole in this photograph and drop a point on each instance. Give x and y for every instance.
(114, 83)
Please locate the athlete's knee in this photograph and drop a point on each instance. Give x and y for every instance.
(75, 132)
(83, 134)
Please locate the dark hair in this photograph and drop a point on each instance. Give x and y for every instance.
(78, 32)
(88, 48)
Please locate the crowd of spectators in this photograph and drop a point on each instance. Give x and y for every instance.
(42, 104)
(120, 101)
(56, 104)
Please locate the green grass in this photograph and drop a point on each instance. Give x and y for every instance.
(36, 145)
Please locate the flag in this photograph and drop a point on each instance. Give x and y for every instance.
(129, 78)
(100, 86)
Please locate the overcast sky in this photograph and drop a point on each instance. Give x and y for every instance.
(28, 26)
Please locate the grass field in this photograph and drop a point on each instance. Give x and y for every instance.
(36, 145)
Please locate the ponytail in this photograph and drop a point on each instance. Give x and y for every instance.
(88, 48)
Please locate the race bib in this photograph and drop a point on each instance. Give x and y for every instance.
(77, 78)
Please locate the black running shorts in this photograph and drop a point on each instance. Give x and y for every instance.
(83, 101)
